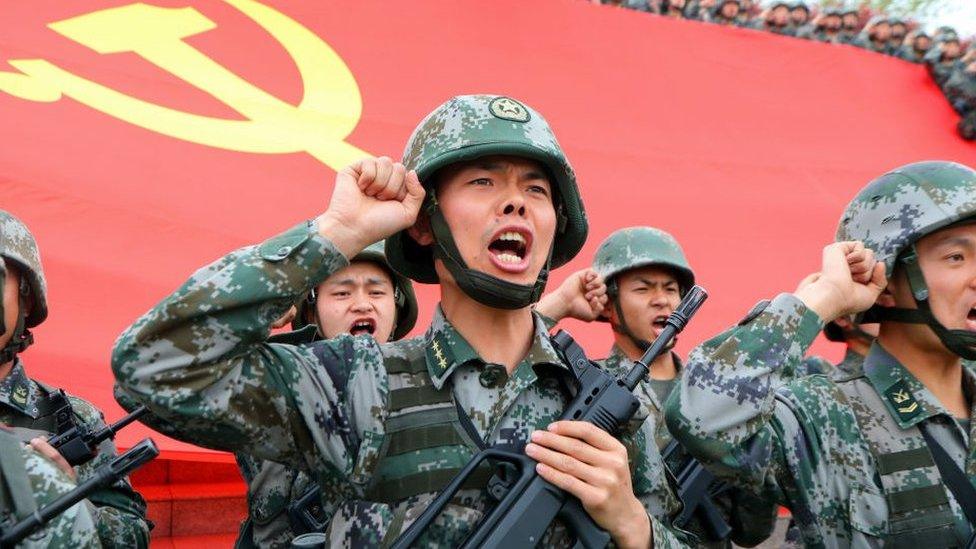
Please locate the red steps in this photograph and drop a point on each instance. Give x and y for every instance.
(192, 503)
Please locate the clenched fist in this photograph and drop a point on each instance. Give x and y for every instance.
(850, 281)
(373, 199)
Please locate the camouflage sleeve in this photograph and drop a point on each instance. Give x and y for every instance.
(200, 363)
(813, 365)
(727, 412)
(119, 511)
(664, 538)
(72, 528)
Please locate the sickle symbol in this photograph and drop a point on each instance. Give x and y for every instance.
(328, 112)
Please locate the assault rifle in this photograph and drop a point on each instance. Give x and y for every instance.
(527, 504)
(79, 444)
(695, 488)
(305, 513)
(108, 474)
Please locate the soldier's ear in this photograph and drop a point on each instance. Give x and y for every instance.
(420, 231)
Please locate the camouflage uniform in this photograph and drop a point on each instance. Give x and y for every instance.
(847, 457)
(29, 481)
(867, 41)
(119, 512)
(630, 248)
(851, 365)
(339, 408)
(272, 487)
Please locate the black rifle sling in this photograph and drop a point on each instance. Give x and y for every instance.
(952, 476)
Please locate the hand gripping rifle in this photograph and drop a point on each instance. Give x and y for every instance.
(108, 474)
(79, 444)
(528, 504)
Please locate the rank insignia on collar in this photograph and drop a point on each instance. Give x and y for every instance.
(903, 401)
(20, 395)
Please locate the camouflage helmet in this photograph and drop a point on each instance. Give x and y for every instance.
(800, 4)
(17, 246)
(466, 128)
(406, 300)
(892, 212)
(635, 247)
(897, 209)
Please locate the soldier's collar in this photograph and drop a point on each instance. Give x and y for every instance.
(907, 399)
(618, 354)
(447, 349)
(15, 390)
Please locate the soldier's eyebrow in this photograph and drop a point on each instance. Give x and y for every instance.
(373, 281)
(342, 282)
(956, 240)
(649, 282)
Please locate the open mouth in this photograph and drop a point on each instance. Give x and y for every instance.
(659, 322)
(509, 249)
(971, 320)
(363, 326)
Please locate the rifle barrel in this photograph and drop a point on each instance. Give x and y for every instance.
(109, 473)
(676, 322)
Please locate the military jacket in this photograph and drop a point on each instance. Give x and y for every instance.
(851, 365)
(29, 481)
(271, 487)
(960, 90)
(119, 512)
(846, 457)
(752, 518)
(200, 361)
(652, 392)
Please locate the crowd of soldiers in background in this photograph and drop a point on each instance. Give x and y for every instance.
(949, 61)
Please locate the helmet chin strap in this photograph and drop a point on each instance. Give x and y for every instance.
(22, 338)
(960, 342)
(482, 287)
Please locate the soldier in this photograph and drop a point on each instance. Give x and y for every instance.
(647, 274)
(31, 406)
(674, 9)
(725, 13)
(799, 15)
(851, 25)
(875, 35)
(873, 459)
(365, 298)
(397, 421)
(898, 31)
(29, 481)
(960, 90)
(826, 27)
(776, 19)
(943, 59)
(746, 13)
(917, 44)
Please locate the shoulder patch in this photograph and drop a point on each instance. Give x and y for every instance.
(507, 108)
(754, 312)
(902, 400)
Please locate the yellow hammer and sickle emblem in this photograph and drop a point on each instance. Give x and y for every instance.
(328, 112)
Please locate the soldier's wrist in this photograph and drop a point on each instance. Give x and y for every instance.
(347, 239)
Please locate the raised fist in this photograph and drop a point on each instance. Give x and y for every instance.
(373, 199)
